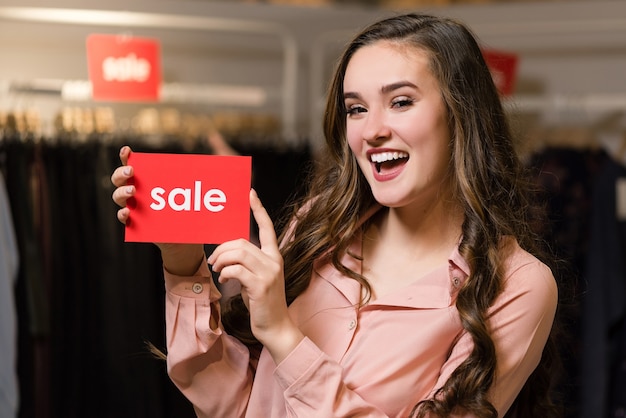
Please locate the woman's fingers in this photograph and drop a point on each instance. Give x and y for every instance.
(125, 152)
(267, 239)
(233, 252)
(122, 215)
(121, 175)
(122, 194)
(244, 261)
(123, 191)
(267, 234)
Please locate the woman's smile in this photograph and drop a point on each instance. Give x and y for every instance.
(387, 164)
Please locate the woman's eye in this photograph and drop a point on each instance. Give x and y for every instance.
(402, 102)
(353, 110)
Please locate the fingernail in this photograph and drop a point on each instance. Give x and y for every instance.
(129, 190)
(127, 171)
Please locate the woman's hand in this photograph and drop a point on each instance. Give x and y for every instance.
(179, 259)
(260, 272)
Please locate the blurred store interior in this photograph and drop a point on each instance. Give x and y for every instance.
(84, 302)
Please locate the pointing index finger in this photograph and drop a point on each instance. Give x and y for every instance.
(267, 235)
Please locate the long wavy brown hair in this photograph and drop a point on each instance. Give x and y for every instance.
(489, 183)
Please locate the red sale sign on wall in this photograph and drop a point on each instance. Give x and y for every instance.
(123, 68)
(189, 198)
(503, 67)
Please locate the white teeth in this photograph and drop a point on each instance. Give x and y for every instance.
(387, 156)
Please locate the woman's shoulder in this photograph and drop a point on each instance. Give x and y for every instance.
(524, 272)
(529, 290)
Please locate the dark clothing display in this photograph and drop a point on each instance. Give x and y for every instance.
(604, 302)
(588, 234)
(566, 178)
(87, 302)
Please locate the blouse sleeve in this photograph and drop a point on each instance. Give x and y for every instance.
(211, 368)
(520, 322)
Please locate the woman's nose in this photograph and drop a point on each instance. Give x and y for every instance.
(376, 126)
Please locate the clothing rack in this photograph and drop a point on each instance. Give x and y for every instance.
(179, 92)
(589, 103)
(81, 91)
(151, 124)
(584, 121)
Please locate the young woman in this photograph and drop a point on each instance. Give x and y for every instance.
(404, 284)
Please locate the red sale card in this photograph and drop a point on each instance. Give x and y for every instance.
(189, 198)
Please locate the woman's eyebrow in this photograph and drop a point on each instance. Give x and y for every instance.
(384, 89)
(351, 95)
(394, 86)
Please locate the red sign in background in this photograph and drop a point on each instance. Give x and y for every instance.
(189, 198)
(124, 68)
(503, 67)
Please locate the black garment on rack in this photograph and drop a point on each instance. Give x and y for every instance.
(31, 293)
(87, 302)
(567, 177)
(604, 304)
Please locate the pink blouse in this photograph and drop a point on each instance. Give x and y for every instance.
(375, 361)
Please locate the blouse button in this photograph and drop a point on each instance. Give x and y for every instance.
(197, 288)
(352, 325)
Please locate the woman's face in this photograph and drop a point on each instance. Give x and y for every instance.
(397, 124)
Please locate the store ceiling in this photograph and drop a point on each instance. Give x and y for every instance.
(386, 4)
